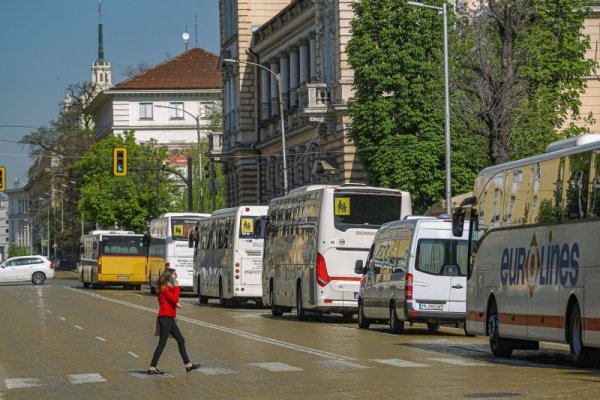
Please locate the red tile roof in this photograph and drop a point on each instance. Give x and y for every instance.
(194, 69)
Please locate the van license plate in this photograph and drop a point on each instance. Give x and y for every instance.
(355, 295)
(424, 306)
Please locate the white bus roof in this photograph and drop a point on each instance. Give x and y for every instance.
(345, 186)
(111, 232)
(184, 214)
(233, 210)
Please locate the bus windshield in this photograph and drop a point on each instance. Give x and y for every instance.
(447, 257)
(353, 210)
(123, 245)
(181, 227)
(248, 224)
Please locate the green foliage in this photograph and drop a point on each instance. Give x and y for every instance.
(128, 202)
(16, 251)
(397, 112)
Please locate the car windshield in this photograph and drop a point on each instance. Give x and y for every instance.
(354, 210)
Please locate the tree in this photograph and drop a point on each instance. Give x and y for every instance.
(127, 202)
(133, 70)
(522, 70)
(397, 110)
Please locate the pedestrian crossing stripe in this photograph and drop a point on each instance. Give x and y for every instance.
(20, 383)
(77, 379)
(458, 361)
(276, 367)
(340, 364)
(397, 362)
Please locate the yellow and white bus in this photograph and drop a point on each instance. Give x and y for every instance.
(314, 237)
(168, 247)
(228, 262)
(534, 270)
(113, 258)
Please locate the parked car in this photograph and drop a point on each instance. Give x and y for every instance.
(27, 268)
(415, 272)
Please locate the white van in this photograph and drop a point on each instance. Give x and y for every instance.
(415, 272)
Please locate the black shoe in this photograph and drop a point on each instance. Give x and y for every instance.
(155, 372)
(193, 367)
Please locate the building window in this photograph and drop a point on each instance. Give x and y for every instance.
(146, 111)
(176, 110)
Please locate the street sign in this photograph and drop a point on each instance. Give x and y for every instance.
(44, 242)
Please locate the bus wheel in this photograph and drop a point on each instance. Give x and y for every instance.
(580, 355)
(433, 326)
(138, 287)
(85, 284)
(396, 325)
(500, 347)
(222, 301)
(201, 299)
(152, 289)
(275, 310)
(363, 322)
(300, 311)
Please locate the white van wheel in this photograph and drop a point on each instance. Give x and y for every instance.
(396, 325)
(363, 322)
(433, 326)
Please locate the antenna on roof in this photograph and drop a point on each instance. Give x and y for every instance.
(196, 28)
(185, 37)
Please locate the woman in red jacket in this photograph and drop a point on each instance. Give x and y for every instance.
(168, 299)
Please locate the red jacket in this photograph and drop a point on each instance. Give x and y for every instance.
(168, 299)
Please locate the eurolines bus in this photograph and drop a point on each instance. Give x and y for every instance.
(314, 237)
(534, 273)
(228, 262)
(168, 247)
(113, 258)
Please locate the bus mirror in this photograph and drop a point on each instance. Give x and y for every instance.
(458, 221)
(359, 267)
(146, 240)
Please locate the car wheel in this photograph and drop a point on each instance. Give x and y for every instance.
(499, 346)
(580, 354)
(396, 324)
(276, 311)
(433, 326)
(38, 278)
(363, 322)
(301, 313)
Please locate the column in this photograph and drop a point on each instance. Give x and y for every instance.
(304, 63)
(294, 77)
(265, 101)
(313, 59)
(274, 94)
(284, 66)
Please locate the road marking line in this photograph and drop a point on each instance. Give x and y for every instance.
(100, 338)
(138, 295)
(396, 362)
(62, 318)
(237, 332)
(30, 301)
(277, 367)
(339, 364)
(459, 362)
(217, 371)
(78, 327)
(132, 354)
(85, 378)
(20, 383)
(49, 312)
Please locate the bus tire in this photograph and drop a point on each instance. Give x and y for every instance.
(396, 324)
(300, 311)
(152, 289)
(222, 301)
(500, 347)
(363, 322)
(201, 299)
(276, 311)
(580, 354)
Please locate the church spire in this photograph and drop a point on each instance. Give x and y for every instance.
(101, 70)
(100, 39)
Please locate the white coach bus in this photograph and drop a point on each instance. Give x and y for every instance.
(228, 259)
(534, 274)
(314, 236)
(168, 247)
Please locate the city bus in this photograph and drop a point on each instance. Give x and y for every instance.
(313, 238)
(534, 266)
(228, 261)
(167, 242)
(112, 257)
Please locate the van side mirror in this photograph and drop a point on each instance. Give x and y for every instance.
(458, 221)
(359, 267)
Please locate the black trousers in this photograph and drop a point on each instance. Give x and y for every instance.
(168, 326)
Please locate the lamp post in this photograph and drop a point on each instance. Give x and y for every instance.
(48, 227)
(197, 119)
(278, 78)
(444, 12)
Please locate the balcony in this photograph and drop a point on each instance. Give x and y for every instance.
(314, 99)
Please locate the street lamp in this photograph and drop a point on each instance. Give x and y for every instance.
(48, 233)
(197, 119)
(278, 78)
(442, 9)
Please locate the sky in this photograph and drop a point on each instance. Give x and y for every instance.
(47, 45)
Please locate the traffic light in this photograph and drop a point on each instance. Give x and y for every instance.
(2, 179)
(120, 161)
(208, 168)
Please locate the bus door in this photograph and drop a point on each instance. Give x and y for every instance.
(249, 249)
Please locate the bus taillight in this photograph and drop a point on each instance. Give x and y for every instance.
(408, 287)
(322, 276)
(51, 265)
